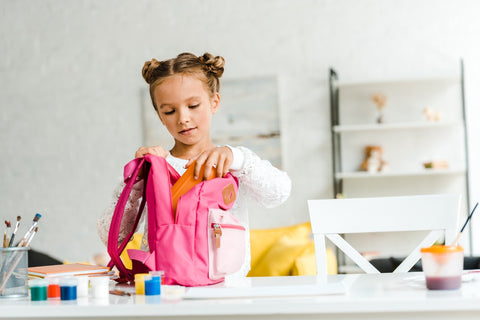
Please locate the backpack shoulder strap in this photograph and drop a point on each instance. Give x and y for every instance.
(131, 171)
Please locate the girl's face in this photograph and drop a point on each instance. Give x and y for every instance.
(186, 108)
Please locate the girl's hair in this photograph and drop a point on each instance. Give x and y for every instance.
(207, 68)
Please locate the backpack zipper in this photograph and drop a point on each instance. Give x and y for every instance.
(217, 231)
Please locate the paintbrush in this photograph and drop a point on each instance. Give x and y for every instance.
(27, 235)
(30, 238)
(464, 225)
(5, 237)
(14, 231)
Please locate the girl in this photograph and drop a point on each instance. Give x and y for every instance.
(185, 94)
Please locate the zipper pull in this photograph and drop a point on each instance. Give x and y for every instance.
(217, 233)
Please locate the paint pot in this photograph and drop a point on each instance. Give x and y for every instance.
(38, 289)
(152, 285)
(159, 273)
(82, 286)
(442, 267)
(68, 288)
(53, 290)
(140, 283)
(100, 287)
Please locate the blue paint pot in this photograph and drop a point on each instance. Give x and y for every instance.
(68, 288)
(152, 285)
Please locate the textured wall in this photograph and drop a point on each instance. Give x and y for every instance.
(70, 88)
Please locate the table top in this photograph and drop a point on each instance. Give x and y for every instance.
(346, 296)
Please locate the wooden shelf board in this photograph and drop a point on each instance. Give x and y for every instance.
(426, 172)
(447, 80)
(395, 126)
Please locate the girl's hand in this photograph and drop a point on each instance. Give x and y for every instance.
(155, 150)
(219, 157)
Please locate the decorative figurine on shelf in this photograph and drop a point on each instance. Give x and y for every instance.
(432, 115)
(437, 164)
(380, 101)
(373, 160)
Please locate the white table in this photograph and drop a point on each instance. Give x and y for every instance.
(372, 296)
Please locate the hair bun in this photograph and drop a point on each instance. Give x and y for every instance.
(213, 65)
(148, 70)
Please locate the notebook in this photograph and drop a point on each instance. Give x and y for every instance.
(69, 269)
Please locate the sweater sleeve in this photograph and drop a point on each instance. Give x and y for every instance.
(263, 182)
(131, 209)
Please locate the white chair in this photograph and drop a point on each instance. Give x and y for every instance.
(330, 218)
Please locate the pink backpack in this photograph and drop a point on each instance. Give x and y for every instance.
(201, 247)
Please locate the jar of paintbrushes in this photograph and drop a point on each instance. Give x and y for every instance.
(14, 272)
(14, 260)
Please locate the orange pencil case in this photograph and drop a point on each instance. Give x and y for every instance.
(187, 182)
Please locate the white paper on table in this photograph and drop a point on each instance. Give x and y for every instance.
(265, 291)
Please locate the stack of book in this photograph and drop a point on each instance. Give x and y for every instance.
(69, 269)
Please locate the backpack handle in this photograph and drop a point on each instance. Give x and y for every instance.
(131, 172)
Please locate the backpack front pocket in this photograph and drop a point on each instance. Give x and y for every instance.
(226, 244)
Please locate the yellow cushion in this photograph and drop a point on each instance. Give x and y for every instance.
(332, 265)
(305, 264)
(132, 244)
(279, 259)
(261, 240)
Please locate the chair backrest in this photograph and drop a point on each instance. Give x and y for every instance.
(332, 217)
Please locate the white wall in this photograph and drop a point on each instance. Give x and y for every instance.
(70, 81)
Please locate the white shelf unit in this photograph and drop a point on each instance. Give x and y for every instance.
(407, 138)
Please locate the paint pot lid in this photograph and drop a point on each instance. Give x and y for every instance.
(436, 249)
